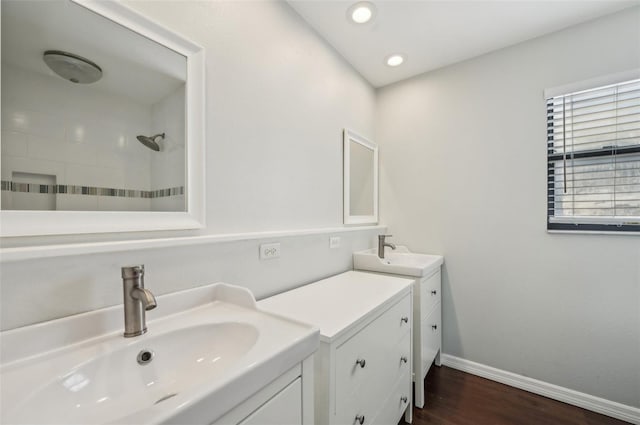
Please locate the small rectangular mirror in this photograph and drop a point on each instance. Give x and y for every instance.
(360, 179)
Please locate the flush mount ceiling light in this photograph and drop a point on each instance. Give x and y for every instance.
(395, 59)
(361, 12)
(72, 67)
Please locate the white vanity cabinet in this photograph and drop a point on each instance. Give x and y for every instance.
(427, 319)
(425, 271)
(427, 329)
(363, 365)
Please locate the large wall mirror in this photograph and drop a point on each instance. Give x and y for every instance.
(360, 179)
(102, 121)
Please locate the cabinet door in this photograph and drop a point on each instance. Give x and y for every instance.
(283, 408)
(431, 328)
(430, 292)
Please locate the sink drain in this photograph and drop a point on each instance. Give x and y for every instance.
(168, 396)
(145, 357)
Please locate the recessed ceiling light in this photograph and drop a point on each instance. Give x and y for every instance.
(361, 12)
(395, 60)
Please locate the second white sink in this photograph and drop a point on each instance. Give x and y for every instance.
(399, 261)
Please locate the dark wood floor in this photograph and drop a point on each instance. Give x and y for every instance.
(458, 398)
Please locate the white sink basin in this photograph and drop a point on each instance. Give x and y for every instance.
(197, 354)
(399, 261)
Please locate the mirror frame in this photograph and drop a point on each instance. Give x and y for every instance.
(15, 223)
(348, 137)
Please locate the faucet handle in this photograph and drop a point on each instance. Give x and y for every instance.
(132, 272)
(384, 236)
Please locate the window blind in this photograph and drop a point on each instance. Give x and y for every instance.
(593, 159)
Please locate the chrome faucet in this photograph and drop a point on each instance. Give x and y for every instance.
(382, 243)
(136, 301)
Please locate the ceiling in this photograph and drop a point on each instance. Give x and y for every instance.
(145, 71)
(433, 33)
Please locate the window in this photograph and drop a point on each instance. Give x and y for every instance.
(593, 159)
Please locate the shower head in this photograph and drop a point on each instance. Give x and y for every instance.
(150, 142)
(72, 67)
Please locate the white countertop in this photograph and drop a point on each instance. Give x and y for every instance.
(80, 369)
(337, 303)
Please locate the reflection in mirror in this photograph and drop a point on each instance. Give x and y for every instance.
(360, 179)
(361, 173)
(93, 113)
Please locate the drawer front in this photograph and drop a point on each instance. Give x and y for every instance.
(283, 408)
(430, 293)
(354, 412)
(396, 404)
(384, 371)
(379, 347)
(431, 336)
(386, 410)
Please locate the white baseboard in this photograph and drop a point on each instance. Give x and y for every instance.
(566, 395)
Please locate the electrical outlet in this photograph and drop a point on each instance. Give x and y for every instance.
(269, 251)
(334, 242)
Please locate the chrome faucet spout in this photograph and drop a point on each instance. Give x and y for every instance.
(145, 297)
(137, 300)
(382, 243)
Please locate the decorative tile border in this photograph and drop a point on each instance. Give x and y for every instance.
(10, 186)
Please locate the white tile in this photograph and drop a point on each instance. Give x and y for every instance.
(84, 175)
(80, 153)
(168, 169)
(33, 201)
(66, 202)
(116, 203)
(35, 166)
(137, 175)
(6, 200)
(139, 204)
(14, 143)
(32, 122)
(42, 148)
(88, 130)
(169, 203)
(14, 119)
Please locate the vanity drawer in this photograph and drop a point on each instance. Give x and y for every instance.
(396, 404)
(431, 331)
(283, 408)
(430, 292)
(354, 412)
(380, 345)
(370, 385)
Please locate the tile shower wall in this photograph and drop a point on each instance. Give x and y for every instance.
(76, 135)
(168, 165)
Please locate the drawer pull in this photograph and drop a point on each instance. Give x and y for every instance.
(360, 419)
(403, 359)
(362, 363)
(403, 399)
(434, 292)
(405, 319)
(434, 327)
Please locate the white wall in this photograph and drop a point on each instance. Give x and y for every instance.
(463, 173)
(38, 290)
(277, 100)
